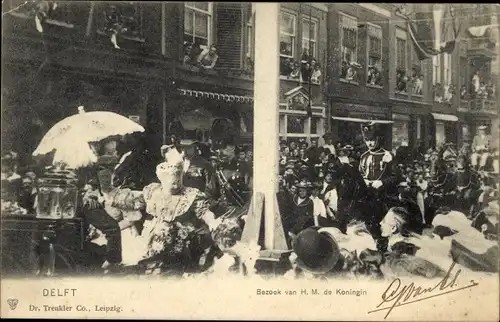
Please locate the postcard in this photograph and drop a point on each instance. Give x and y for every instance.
(250, 161)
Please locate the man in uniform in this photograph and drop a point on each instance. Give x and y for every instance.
(377, 168)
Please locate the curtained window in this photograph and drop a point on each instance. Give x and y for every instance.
(401, 61)
(348, 47)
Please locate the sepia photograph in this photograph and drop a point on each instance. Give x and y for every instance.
(283, 161)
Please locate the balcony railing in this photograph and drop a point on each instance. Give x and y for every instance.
(479, 105)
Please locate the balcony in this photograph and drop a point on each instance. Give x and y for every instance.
(482, 43)
(480, 105)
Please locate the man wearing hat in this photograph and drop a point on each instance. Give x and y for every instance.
(316, 251)
(344, 155)
(445, 183)
(328, 137)
(377, 168)
(304, 172)
(300, 215)
(480, 148)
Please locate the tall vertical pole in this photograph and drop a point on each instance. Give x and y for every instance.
(266, 113)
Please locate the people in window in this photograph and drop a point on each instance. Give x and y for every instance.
(208, 57)
(401, 80)
(191, 52)
(490, 91)
(316, 74)
(286, 66)
(438, 93)
(374, 76)
(352, 73)
(305, 72)
(295, 73)
(449, 91)
(482, 92)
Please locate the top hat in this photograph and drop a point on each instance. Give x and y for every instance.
(317, 252)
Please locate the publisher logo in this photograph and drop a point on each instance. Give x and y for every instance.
(13, 303)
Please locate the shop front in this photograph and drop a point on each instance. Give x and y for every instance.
(346, 126)
(208, 115)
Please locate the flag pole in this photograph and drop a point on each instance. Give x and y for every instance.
(266, 133)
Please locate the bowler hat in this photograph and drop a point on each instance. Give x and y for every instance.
(317, 253)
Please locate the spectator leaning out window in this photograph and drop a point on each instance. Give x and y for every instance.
(208, 57)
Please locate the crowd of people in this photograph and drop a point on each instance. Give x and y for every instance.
(307, 69)
(331, 185)
(311, 180)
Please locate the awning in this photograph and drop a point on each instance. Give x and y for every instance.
(358, 120)
(216, 96)
(445, 117)
(479, 31)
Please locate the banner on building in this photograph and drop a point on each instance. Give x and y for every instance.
(435, 32)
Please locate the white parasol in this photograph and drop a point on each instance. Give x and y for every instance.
(70, 137)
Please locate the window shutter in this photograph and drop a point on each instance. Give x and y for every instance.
(229, 35)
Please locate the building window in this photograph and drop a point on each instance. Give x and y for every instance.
(309, 33)
(248, 62)
(296, 124)
(249, 40)
(401, 61)
(374, 56)
(348, 48)
(198, 23)
(288, 67)
(287, 35)
(316, 125)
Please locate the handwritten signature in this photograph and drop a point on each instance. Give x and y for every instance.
(397, 294)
